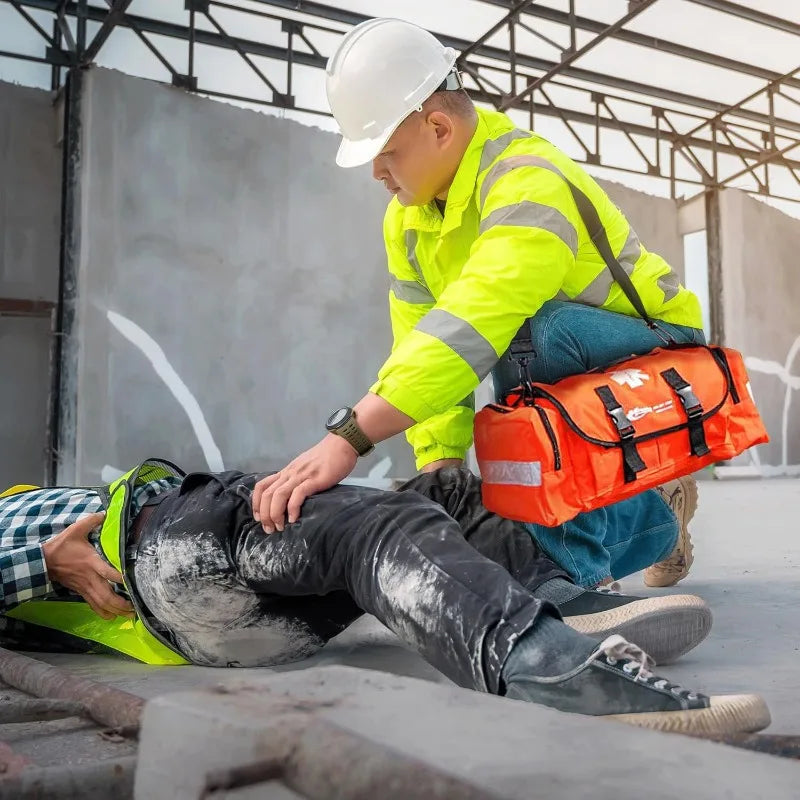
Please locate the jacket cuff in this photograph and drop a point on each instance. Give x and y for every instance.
(438, 452)
(403, 400)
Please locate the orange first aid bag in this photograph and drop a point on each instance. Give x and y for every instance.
(553, 451)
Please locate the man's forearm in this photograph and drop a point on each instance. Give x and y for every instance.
(379, 419)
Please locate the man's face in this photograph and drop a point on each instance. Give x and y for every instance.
(413, 164)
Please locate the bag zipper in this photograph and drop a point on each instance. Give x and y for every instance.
(721, 363)
(551, 436)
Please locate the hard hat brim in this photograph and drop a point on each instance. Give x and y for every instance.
(356, 153)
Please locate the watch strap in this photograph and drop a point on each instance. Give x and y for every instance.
(351, 432)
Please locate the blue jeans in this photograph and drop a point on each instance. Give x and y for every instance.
(569, 338)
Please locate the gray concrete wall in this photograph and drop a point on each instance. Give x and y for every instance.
(761, 309)
(30, 195)
(30, 180)
(25, 352)
(655, 219)
(232, 283)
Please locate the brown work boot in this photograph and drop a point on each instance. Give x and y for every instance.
(681, 496)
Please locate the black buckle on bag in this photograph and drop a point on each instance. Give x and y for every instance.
(624, 426)
(693, 409)
(632, 461)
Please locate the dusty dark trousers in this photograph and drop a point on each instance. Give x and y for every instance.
(448, 577)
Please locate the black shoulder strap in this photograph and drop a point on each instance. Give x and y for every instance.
(597, 233)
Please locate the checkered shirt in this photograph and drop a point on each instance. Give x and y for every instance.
(28, 520)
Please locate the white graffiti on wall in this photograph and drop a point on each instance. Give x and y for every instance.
(784, 373)
(155, 355)
(180, 391)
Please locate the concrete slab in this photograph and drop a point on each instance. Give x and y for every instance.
(340, 732)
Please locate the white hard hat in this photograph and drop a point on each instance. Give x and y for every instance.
(383, 70)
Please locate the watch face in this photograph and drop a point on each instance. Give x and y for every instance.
(338, 417)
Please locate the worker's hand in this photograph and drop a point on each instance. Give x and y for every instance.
(316, 470)
(442, 463)
(73, 562)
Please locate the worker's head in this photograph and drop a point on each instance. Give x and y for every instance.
(399, 102)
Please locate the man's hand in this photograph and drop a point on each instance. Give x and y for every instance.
(442, 463)
(73, 562)
(316, 470)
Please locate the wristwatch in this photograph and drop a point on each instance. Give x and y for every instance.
(343, 423)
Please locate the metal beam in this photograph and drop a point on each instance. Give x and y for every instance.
(113, 18)
(351, 18)
(587, 118)
(537, 64)
(635, 8)
(62, 419)
(592, 112)
(648, 42)
(735, 107)
(512, 15)
(750, 14)
(275, 52)
(182, 32)
(32, 22)
(716, 284)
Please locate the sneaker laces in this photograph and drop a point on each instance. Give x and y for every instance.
(636, 663)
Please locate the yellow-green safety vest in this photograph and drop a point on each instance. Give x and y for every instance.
(462, 284)
(134, 637)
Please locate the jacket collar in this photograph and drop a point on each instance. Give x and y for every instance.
(491, 124)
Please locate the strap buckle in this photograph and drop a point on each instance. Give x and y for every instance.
(524, 378)
(693, 409)
(624, 425)
(690, 402)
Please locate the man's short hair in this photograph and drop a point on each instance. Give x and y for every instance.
(455, 102)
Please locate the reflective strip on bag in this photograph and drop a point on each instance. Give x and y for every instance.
(512, 473)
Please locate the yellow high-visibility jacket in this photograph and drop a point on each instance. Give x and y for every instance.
(510, 240)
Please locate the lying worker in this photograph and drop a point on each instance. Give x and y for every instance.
(469, 590)
(482, 235)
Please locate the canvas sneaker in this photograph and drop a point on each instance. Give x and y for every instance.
(665, 627)
(615, 682)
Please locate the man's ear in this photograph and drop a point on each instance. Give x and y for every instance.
(443, 126)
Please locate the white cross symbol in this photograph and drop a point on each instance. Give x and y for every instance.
(632, 377)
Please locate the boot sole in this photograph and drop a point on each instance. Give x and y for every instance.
(742, 713)
(664, 627)
(690, 489)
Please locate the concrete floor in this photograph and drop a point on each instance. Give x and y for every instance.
(747, 566)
